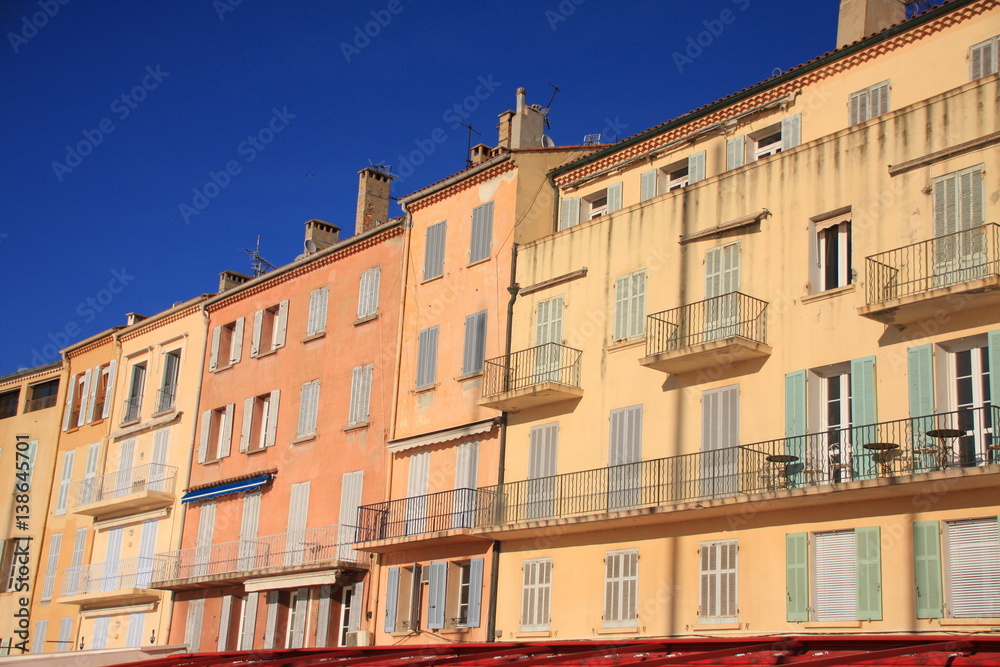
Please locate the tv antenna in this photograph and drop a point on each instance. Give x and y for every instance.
(380, 166)
(468, 143)
(548, 107)
(259, 266)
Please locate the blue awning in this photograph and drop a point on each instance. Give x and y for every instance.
(246, 484)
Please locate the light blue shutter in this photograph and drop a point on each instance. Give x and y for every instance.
(391, 597)
(637, 323)
(647, 184)
(134, 637)
(482, 232)
(863, 414)
(436, 591)
(475, 593)
(569, 212)
(736, 152)
(434, 251)
(791, 132)
(920, 379)
(696, 167)
(614, 197)
(795, 419)
(797, 576)
(868, 557)
(622, 300)
(927, 569)
(475, 343)
(993, 343)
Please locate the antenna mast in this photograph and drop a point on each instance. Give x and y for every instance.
(258, 265)
(468, 143)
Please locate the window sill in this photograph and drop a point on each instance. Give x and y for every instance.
(533, 633)
(629, 630)
(355, 427)
(469, 376)
(709, 627)
(255, 451)
(364, 320)
(400, 635)
(303, 438)
(161, 413)
(424, 389)
(267, 353)
(315, 336)
(831, 624)
(829, 294)
(626, 344)
(209, 462)
(479, 261)
(130, 422)
(454, 631)
(430, 280)
(220, 369)
(969, 621)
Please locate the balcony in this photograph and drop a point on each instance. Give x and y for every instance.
(875, 459)
(945, 274)
(166, 398)
(396, 524)
(715, 332)
(111, 584)
(540, 375)
(140, 489)
(234, 562)
(40, 403)
(132, 410)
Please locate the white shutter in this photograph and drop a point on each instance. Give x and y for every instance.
(109, 394)
(614, 197)
(718, 583)
(308, 408)
(93, 451)
(247, 427)
(67, 473)
(203, 540)
(226, 437)
(857, 105)
(84, 393)
(361, 387)
(983, 58)
(95, 384)
(147, 550)
(434, 251)
(543, 450)
(621, 579)
(973, 568)
(736, 152)
(696, 167)
(65, 633)
(323, 617)
(879, 99)
(79, 544)
(102, 627)
(51, 566)
(548, 321)
(249, 522)
(466, 465)
(482, 232)
(161, 441)
(648, 184)
(271, 624)
(357, 606)
(298, 513)
(249, 621)
(569, 212)
(192, 629)
(272, 418)
(236, 347)
(368, 292)
(352, 484)
(70, 391)
(280, 325)
(791, 132)
(318, 300)
(626, 436)
(206, 428)
(835, 576)
(258, 325)
(637, 306)
(427, 348)
(38, 645)
(224, 619)
(536, 589)
(213, 362)
(623, 289)
(133, 638)
(112, 558)
(299, 629)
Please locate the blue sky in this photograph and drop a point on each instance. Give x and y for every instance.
(146, 143)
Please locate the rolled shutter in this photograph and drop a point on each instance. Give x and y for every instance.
(696, 167)
(391, 599)
(797, 577)
(236, 347)
(281, 325)
(868, 556)
(647, 184)
(109, 393)
(569, 212)
(475, 593)
(436, 592)
(614, 197)
(206, 427)
(213, 362)
(226, 443)
(791, 132)
(736, 152)
(272, 418)
(927, 569)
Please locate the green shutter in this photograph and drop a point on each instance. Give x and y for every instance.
(927, 569)
(920, 372)
(795, 421)
(869, 569)
(994, 350)
(863, 413)
(797, 576)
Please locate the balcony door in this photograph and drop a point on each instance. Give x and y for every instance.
(959, 246)
(722, 282)
(541, 485)
(625, 458)
(970, 380)
(110, 578)
(720, 437)
(416, 493)
(466, 479)
(548, 329)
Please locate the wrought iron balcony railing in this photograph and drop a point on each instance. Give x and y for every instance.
(943, 261)
(110, 576)
(727, 316)
(40, 403)
(550, 362)
(166, 397)
(148, 477)
(312, 546)
(418, 515)
(133, 409)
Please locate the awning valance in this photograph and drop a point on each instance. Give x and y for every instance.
(234, 486)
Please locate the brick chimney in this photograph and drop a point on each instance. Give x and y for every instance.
(863, 18)
(322, 234)
(373, 199)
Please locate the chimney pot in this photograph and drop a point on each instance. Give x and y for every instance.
(862, 18)
(230, 279)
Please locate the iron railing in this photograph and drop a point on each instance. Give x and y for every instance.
(311, 546)
(111, 576)
(418, 515)
(550, 362)
(40, 403)
(148, 477)
(133, 409)
(8, 410)
(727, 316)
(166, 397)
(939, 262)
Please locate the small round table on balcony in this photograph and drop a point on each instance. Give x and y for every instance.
(778, 471)
(943, 435)
(883, 453)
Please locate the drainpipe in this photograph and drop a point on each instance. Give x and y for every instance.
(512, 289)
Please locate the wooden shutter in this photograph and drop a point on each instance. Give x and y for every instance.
(927, 569)
(251, 516)
(258, 325)
(192, 629)
(236, 346)
(224, 619)
(323, 617)
(427, 348)
(795, 413)
(835, 575)
(71, 390)
(437, 594)
(79, 544)
(434, 251)
(718, 579)
(213, 362)
(101, 631)
(41, 627)
(623, 293)
(473, 619)
(797, 577)
(869, 573)
(301, 605)
(356, 607)
(65, 633)
(722, 270)
(536, 591)
(361, 390)
(391, 599)
(352, 484)
(973, 568)
(626, 436)
(368, 292)
(62, 500)
(308, 408)
(475, 343)
(271, 622)
(569, 212)
(543, 450)
(920, 369)
(614, 197)
(32, 453)
(247, 426)
(147, 550)
(318, 300)
(91, 401)
(863, 403)
(791, 132)
(249, 621)
(466, 478)
(648, 184)
(112, 559)
(548, 321)
(857, 105)
(84, 393)
(206, 428)
(281, 325)
(993, 344)
(109, 393)
(161, 441)
(482, 232)
(298, 514)
(52, 566)
(983, 59)
(206, 532)
(226, 437)
(878, 99)
(272, 418)
(696, 167)
(736, 152)
(621, 576)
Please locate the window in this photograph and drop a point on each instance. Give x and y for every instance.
(474, 353)
(543, 449)
(269, 327)
(74, 402)
(216, 433)
(674, 176)
(402, 599)
(418, 478)
(62, 498)
(722, 284)
(834, 575)
(466, 481)
(536, 595)
(720, 436)
(434, 251)
(368, 293)
(427, 348)
(133, 404)
(102, 395)
(316, 321)
(482, 233)
(9, 564)
(166, 398)
(766, 145)
(308, 409)
(957, 568)
(983, 58)
(9, 401)
(361, 392)
(718, 602)
(227, 345)
(959, 254)
(454, 594)
(43, 395)
(832, 266)
(625, 457)
(765, 142)
(594, 205)
(869, 103)
(630, 306)
(260, 422)
(621, 582)
(51, 566)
